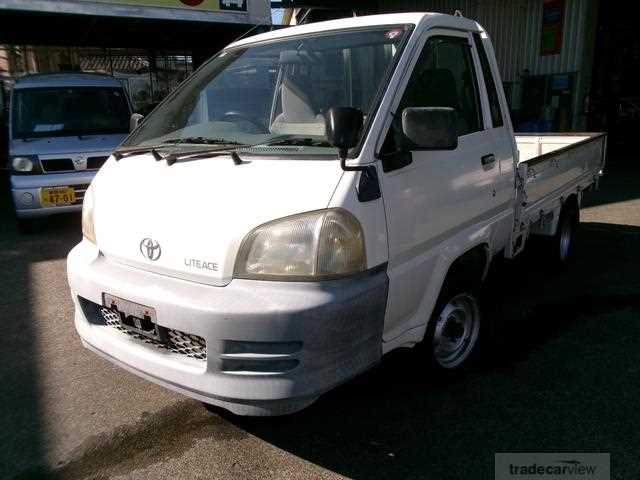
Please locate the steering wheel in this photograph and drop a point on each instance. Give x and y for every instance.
(237, 117)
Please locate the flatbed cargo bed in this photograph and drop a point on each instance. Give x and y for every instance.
(551, 162)
(551, 168)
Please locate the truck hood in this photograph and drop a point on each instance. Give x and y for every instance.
(189, 219)
(62, 145)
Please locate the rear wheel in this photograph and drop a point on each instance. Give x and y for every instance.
(562, 243)
(453, 336)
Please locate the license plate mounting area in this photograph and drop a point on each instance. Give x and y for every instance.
(135, 317)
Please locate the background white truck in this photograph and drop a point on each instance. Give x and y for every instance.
(312, 199)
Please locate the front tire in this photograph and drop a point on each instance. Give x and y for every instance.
(453, 336)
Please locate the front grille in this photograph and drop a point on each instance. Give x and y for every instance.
(178, 342)
(95, 163)
(80, 191)
(57, 165)
(182, 343)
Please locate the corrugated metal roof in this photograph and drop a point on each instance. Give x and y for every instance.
(66, 80)
(116, 63)
(467, 7)
(515, 27)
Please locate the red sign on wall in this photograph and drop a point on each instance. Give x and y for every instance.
(551, 35)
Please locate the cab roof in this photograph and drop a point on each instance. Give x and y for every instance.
(52, 80)
(412, 18)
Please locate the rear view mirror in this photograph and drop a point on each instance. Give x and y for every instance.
(135, 121)
(431, 128)
(296, 57)
(343, 126)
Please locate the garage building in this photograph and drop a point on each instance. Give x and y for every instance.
(151, 45)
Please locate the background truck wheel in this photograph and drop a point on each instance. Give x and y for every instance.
(453, 336)
(562, 243)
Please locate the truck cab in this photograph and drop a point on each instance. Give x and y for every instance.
(312, 199)
(62, 129)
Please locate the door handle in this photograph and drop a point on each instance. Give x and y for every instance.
(488, 160)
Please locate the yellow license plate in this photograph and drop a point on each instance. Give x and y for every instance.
(54, 197)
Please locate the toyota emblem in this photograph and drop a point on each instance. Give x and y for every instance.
(150, 249)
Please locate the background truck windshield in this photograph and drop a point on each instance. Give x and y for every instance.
(276, 93)
(57, 112)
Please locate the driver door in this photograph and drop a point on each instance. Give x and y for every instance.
(432, 195)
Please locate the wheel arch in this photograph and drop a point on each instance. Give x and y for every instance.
(472, 265)
(570, 206)
(455, 259)
(463, 278)
(572, 202)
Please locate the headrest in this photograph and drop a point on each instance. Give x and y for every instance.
(296, 104)
(440, 88)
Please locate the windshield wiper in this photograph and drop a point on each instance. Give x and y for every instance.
(129, 152)
(201, 141)
(210, 153)
(215, 152)
(207, 152)
(235, 156)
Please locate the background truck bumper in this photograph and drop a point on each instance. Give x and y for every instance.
(271, 347)
(25, 191)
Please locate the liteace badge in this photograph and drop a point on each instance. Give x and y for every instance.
(201, 264)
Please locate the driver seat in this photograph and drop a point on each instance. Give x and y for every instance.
(298, 116)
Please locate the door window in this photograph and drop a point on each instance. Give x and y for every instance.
(492, 92)
(445, 77)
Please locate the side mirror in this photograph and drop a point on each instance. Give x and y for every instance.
(343, 126)
(431, 128)
(135, 121)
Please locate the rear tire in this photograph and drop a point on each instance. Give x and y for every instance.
(563, 242)
(452, 341)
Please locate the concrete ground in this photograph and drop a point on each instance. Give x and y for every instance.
(563, 375)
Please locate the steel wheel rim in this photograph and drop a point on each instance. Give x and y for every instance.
(456, 331)
(565, 240)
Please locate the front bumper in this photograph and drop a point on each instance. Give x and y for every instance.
(271, 347)
(25, 190)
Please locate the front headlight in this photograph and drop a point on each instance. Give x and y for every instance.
(25, 164)
(87, 216)
(308, 246)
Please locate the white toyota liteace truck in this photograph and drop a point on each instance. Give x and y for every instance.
(311, 199)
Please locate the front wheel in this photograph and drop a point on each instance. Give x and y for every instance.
(453, 336)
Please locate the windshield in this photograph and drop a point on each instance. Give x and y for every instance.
(57, 112)
(276, 93)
